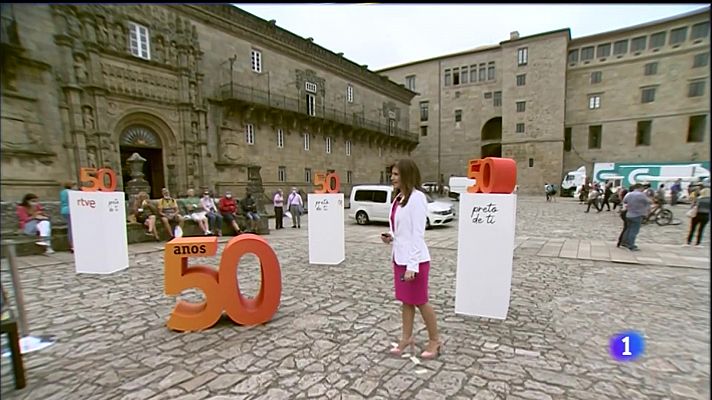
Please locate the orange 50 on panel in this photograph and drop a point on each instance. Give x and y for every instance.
(220, 287)
(330, 183)
(97, 179)
(492, 175)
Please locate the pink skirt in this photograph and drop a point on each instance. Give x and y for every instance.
(413, 292)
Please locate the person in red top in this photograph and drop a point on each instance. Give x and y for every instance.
(34, 221)
(228, 208)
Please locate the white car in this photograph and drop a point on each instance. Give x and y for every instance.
(373, 203)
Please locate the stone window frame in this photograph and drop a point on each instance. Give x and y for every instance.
(698, 135)
(256, 60)
(497, 99)
(588, 53)
(643, 140)
(696, 87)
(596, 77)
(280, 138)
(650, 98)
(464, 75)
(568, 145)
(458, 115)
(482, 76)
(282, 173)
(311, 104)
(141, 38)
(701, 60)
(424, 130)
(349, 93)
(473, 73)
(573, 56)
(349, 176)
(650, 68)
(250, 134)
(678, 35)
(521, 106)
(491, 71)
(620, 47)
(521, 79)
(603, 50)
(410, 82)
(327, 144)
(348, 147)
(447, 77)
(307, 175)
(306, 141)
(657, 40)
(522, 56)
(392, 126)
(594, 101)
(520, 128)
(638, 44)
(595, 144)
(424, 110)
(700, 30)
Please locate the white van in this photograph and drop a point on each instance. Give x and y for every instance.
(459, 185)
(373, 203)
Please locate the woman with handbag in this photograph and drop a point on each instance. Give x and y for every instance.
(410, 256)
(700, 215)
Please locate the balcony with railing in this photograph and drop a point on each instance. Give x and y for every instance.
(270, 99)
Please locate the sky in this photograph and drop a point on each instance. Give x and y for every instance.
(384, 35)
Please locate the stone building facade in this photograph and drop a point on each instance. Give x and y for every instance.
(209, 95)
(534, 99)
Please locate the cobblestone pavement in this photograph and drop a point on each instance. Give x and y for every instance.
(330, 337)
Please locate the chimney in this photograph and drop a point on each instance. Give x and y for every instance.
(514, 35)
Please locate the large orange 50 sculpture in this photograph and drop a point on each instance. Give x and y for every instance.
(326, 182)
(220, 287)
(492, 175)
(96, 177)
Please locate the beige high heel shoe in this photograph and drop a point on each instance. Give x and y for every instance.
(427, 355)
(398, 350)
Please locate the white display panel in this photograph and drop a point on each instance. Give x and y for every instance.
(484, 254)
(326, 228)
(99, 231)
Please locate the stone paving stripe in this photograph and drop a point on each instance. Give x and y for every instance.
(551, 249)
(599, 250)
(623, 255)
(650, 260)
(570, 249)
(584, 250)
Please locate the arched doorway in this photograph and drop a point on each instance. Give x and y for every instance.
(144, 141)
(491, 138)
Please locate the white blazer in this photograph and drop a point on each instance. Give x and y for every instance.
(409, 247)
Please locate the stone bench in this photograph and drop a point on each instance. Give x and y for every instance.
(135, 231)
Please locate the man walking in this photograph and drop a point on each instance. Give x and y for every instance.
(278, 202)
(637, 205)
(295, 203)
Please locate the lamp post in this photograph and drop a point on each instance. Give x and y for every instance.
(232, 62)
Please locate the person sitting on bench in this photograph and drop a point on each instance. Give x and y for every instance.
(34, 221)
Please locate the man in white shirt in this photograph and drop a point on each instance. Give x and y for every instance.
(296, 204)
(278, 202)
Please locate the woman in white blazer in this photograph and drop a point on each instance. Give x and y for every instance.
(410, 255)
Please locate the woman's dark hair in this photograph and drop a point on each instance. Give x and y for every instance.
(409, 178)
(26, 200)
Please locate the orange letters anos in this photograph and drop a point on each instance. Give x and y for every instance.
(330, 183)
(492, 175)
(220, 287)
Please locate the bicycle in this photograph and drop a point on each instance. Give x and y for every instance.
(661, 215)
